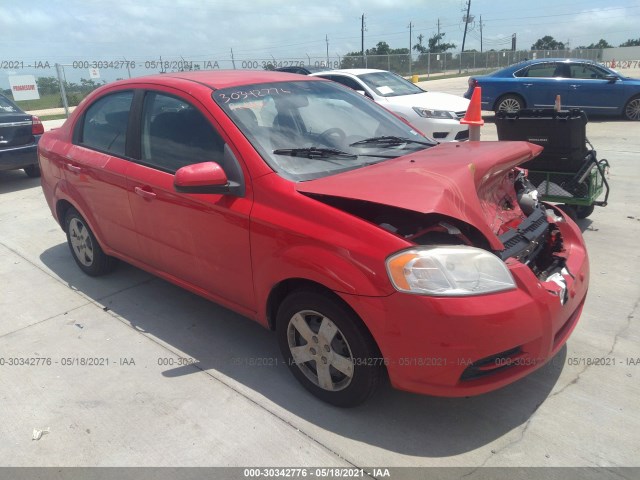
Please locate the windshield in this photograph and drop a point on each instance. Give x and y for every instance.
(310, 129)
(387, 84)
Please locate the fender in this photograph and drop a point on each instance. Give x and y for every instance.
(327, 265)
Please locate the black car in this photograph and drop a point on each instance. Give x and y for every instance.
(19, 136)
(302, 70)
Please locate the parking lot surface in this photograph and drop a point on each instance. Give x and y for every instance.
(129, 370)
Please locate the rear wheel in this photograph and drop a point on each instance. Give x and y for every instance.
(32, 171)
(632, 109)
(327, 348)
(509, 103)
(84, 247)
(583, 211)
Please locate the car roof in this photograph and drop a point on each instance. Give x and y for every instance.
(351, 71)
(219, 79)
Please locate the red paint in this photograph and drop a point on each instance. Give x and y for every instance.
(235, 250)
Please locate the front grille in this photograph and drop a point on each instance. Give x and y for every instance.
(461, 114)
(440, 134)
(490, 365)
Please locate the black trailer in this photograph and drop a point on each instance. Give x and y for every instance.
(567, 171)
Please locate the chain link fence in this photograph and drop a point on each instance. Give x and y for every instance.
(62, 86)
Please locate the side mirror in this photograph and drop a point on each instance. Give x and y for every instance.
(206, 177)
(611, 78)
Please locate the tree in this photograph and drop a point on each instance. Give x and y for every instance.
(631, 43)
(547, 43)
(436, 47)
(48, 85)
(601, 44)
(382, 48)
(419, 47)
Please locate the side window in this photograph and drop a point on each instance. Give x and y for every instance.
(104, 126)
(347, 82)
(175, 134)
(543, 70)
(585, 72)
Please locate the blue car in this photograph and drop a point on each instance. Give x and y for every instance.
(581, 84)
(19, 136)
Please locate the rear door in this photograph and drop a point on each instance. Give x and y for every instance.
(199, 239)
(95, 166)
(542, 82)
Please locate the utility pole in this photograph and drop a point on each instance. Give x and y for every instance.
(362, 37)
(513, 42)
(326, 37)
(410, 27)
(438, 37)
(233, 60)
(480, 33)
(464, 37)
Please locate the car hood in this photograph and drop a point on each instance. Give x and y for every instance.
(434, 100)
(460, 180)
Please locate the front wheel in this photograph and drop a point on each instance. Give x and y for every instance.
(509, 104)
(632, 109)
(84, 247)
(327, 348)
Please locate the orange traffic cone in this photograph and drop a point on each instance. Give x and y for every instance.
(557, 106)
(473, 117)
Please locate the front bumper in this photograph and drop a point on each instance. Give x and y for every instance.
(472, 345)
(19, 157)
(442, 130)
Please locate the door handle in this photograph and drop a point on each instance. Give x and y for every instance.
(144, 193)
(73, 168)
(528, 84)
(575, 87)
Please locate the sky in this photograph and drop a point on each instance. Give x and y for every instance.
(259, 31)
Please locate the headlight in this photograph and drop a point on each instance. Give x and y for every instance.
(448, 271)
(430, 113)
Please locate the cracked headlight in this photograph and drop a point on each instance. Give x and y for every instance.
(430, 113)
(448, 271)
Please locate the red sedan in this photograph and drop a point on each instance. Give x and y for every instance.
(310, 209)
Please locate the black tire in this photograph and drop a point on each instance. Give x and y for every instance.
(583, 211)
(632, 109)
(336, 337)
(509, 103)
(32, 171)
(85, 249)
(569, 210)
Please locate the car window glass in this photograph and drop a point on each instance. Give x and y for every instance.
(175, 134)
(387, 84)
(104, 126)
(7, 107)
(347, 82)
(585, 72)
(310, 129)
(543, 70)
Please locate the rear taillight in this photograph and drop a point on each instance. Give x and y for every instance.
(473, 83)
(36, 127)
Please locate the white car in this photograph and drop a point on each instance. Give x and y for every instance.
(437, 115)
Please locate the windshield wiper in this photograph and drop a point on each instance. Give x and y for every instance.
(313, 152)
(387, 141)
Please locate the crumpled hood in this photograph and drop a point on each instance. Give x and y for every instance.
(434, 100)
(454, 179)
